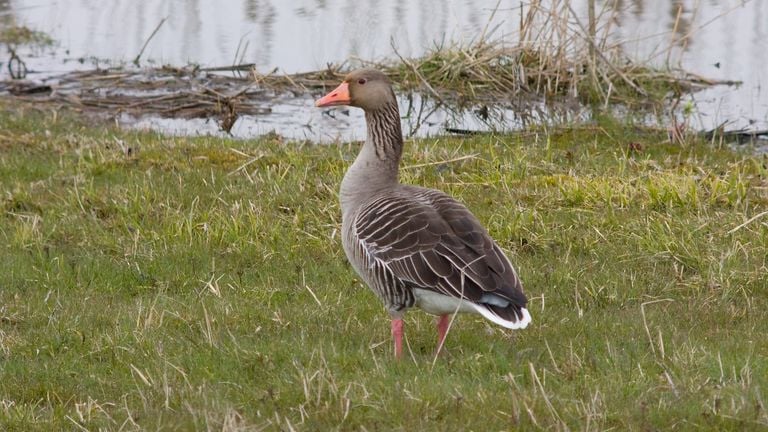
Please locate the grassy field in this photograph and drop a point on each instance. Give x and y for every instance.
(163, 283)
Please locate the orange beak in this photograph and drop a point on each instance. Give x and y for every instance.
(339, 96)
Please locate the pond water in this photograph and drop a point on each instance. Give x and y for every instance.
(723, 39)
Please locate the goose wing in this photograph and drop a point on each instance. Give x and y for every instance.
(429, 240)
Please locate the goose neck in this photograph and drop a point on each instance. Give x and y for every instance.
(376, 167)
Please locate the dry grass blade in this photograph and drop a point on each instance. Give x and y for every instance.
(749, 221)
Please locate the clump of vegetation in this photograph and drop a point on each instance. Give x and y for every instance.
(154, 282)
(555, 56)
(494, 72)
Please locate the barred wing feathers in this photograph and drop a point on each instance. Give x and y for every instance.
(428, 240)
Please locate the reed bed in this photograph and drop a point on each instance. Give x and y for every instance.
(555, 55)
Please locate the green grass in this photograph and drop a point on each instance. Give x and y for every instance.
(200, 284)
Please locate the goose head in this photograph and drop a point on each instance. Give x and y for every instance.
(368, 89)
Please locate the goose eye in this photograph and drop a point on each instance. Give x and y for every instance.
(361, 81)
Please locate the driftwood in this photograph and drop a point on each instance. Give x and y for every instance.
(188, 92)
(165, 92)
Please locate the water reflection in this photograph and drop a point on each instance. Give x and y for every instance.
(304, 35)
(294, 36)
(6, 14)
(717, 39)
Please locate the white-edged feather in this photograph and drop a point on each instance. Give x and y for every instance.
(490, 316)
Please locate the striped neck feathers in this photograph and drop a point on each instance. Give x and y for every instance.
(376, 166)
(384, 132)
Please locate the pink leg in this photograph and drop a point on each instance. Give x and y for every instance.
(442, 329)
(397, 335)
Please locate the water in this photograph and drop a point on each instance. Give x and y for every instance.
(723, 39)
(727, 40)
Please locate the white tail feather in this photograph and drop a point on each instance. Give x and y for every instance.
(490, 316)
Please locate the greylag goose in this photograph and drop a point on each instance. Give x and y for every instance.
(415, 246)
